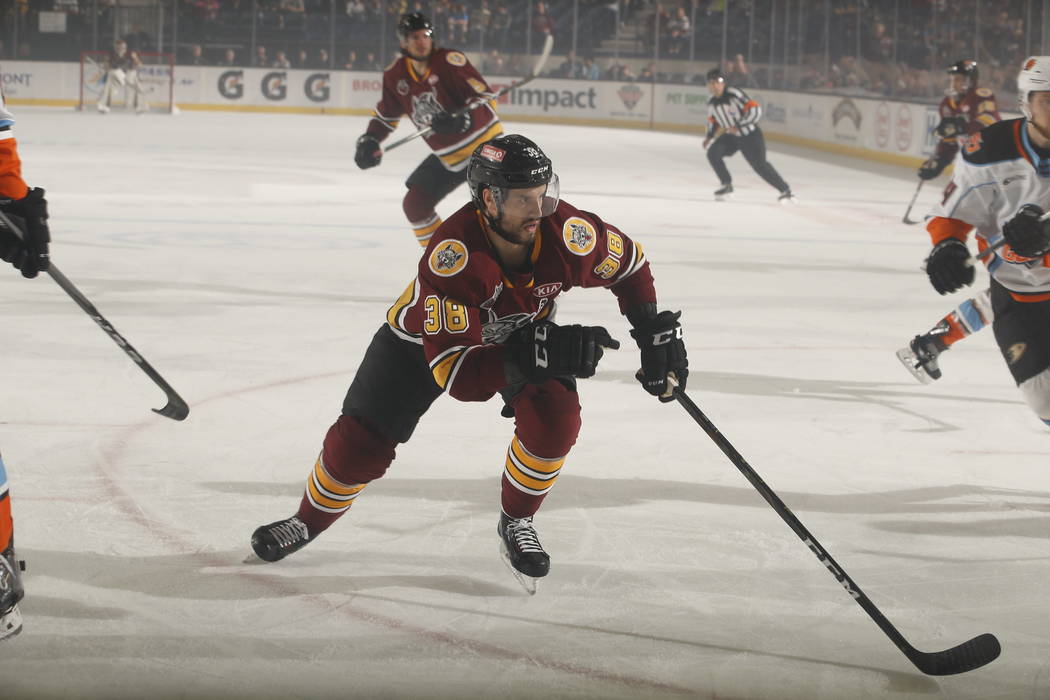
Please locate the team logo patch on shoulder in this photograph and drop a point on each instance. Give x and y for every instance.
(456, 58)
(984, 92)
(448, 258)
(579, 235)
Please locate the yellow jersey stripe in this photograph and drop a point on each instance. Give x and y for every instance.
(458, 156)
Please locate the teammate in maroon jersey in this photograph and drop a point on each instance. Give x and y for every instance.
(965, 109)
(476, 321)
(429, 85)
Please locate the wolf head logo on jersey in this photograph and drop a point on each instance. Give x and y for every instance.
(424, 106)
(579, 235)
(448, 258)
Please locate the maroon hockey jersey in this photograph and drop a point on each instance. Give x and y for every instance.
(463, 305)
(977, 106)
(449, 83)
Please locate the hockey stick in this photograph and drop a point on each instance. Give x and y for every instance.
(967, 656)
(176, 408)
(912, 204)
(488, 97)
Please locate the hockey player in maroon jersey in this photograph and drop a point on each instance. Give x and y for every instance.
(27, 208)
(478, 320)
(429, 84)
(965, 109)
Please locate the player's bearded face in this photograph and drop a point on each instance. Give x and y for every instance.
(418, 44)
(1039, 104)
(519, 213)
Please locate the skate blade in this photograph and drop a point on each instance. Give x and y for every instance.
(254, 558)
(912, 364)
(723, 197)
(10, 623)
(529, 583)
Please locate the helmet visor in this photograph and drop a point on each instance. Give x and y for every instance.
(532, 202)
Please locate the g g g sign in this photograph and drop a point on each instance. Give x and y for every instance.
(317, 87)
(231, 84)
(274, 86)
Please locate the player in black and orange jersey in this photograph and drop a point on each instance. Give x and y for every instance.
(965, 109)
(476, 321)
(429, 85)
(27, 209)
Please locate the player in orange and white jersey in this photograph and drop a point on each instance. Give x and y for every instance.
(1000, 188)
(28, 252)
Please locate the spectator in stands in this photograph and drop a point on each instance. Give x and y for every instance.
(261, 60)
(458, 23)
(281, 61)
(501, 21)
(679, 29)
(196, 57)
(494, 63)
(229, 58)
(323, 60)
(481, 22)
(590, 70)
(619, 71)
(542, 23)
(648, 74)
(290, 13)
(351, 60)
(570, 67)
(355, 10)
(371, 62)
(738, 74)
(302, 60)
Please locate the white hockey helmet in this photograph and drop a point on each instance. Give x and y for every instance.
(1034, 77)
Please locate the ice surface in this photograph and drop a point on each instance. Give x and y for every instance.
(250, 262)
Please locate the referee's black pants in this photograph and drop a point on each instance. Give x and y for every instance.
(753, 146)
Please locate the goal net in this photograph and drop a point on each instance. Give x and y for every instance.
(154, 80)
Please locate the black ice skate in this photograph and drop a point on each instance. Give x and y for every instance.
(11, 592)
(920, 356)
(786, 197)
(723, 192)
(277, 540)
(522, 551)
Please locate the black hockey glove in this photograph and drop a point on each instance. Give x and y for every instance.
(1026, 234)
(546, 350)
(663, 353)
(28, 252)
(369, 152)
(950, 266)
(932, 167)
(449, 123)
(950, 126)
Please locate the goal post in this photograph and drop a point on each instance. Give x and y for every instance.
(156, 82)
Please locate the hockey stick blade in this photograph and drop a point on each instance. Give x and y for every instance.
(176, 408)
(967, 656)
(979, 651)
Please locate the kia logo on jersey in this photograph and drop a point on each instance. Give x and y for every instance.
(273, 86)
(546, 290)
(317, 87)
(231, 84)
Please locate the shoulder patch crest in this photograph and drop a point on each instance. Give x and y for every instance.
(449, 258)
(579, 235)
(456, 58)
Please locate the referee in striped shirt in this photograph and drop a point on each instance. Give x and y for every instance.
(732, 125)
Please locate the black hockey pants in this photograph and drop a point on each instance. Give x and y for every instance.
(753, 147)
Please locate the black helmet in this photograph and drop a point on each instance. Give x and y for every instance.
(716, 74)
(965, 67)
(411, 22)
(510, 162)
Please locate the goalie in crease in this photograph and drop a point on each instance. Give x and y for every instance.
(121, 68)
